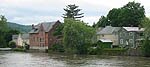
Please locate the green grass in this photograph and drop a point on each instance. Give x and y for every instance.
(114, 51)
(19, 49)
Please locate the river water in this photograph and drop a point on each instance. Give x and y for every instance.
(20, 59)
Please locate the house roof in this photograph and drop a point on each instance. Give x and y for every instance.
(14, 37)
(46, 26)
(109, 30)
(105, 40)
(133, 29)
(25, 36)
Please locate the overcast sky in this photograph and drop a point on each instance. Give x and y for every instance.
(29, 12)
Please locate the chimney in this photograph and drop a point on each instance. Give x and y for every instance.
(32, 26)
(58, 21)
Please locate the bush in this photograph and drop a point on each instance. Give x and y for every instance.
(57, 47)
(114, 51)
(12, 44)
(146, 48)
(95, 49)
(27, 47)
(82, 49)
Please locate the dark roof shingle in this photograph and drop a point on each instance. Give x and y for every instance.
(46, 25)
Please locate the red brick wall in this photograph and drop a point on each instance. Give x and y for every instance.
(52, 39)
(49, 39)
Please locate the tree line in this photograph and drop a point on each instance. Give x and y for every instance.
(78, 36)
(5, 32)
(130, 15)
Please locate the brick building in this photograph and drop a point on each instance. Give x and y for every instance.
(41, 35)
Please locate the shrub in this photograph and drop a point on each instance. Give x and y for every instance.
(95, 49)
(12, 44)
(57, 47)
(114, 51)
(27, 47)
(146, 48)
(82, 48)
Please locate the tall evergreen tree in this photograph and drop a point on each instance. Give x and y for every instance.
(3, 27)
(72, 11)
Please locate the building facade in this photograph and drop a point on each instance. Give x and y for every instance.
(21, 39)
(131, 37)
(41, 35)
(122, 36)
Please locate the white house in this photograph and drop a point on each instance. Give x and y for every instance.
(21, 39)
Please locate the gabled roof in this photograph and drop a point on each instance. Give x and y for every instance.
(23, 36)
(109, 30)
(133, 29)
(14, 37)
(46, 26)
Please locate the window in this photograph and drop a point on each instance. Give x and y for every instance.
(121, 41)
(37, 39)
(41, 39)
(120, 34)
(34, 39)
(131, 40)
(131, 34)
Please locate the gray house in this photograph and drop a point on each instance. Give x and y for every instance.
(132, 36)
(121, 36)
(109, 33)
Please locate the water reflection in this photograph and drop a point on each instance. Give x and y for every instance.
(18, 59)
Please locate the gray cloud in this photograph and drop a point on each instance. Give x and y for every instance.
(36, 11)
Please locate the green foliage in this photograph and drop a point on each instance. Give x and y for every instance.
(114, 51)
(3, 24)
(103, 21)
(5, 32)
(27, 46)
(95, 49)
(72, 11)
(76, 35)
(12, 44)
(146, 44)
(146, 48)
(146, 24)
(130, 14)
(9, 33)
(59, 30)
(3, 29)
(58, 48)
